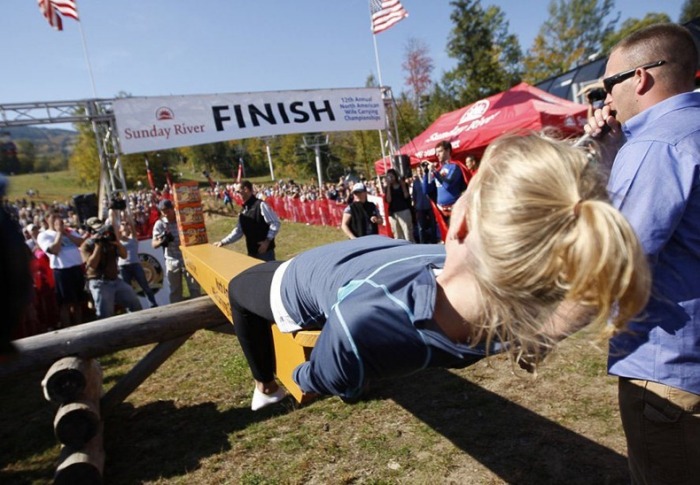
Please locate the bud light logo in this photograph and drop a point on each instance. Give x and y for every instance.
(475, 111)
(164, 113)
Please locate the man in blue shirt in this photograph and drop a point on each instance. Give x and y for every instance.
(655, 182)
(446, 178)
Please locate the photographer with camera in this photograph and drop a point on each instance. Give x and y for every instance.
(167, 236)
(99, 253)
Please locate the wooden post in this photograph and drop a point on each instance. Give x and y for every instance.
(76, 384)
(213, 268)
(78, 419)
(67, 378)
(77, 423)
(83, 466)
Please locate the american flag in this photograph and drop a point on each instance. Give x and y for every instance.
(52, 8)
(386, 13)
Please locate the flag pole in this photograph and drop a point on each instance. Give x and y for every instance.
(379, 78)
(87, 58)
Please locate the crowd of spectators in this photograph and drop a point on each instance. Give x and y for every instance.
(296, 201)
(38, 221)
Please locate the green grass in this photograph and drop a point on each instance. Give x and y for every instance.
(51, 186)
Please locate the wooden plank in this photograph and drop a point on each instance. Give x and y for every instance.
(106, 336)
(213, 268)
(288, 355)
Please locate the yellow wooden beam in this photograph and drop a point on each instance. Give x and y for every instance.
(213, 268)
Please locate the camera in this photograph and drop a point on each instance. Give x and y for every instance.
(597, 94)
(425, 165)
(117, 203)
(105, 235)
(166, 239)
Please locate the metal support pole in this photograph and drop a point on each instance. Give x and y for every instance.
(269, 159)
(317, 149)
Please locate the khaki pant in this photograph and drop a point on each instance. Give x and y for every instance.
(662, 426)
(402, 225)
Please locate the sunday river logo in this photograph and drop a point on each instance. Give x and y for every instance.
(163, 113)
(475, 112)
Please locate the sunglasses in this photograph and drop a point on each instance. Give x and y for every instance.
(611, 81)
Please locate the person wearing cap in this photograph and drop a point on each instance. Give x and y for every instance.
(61, 244)
(167, 236)
(258, 223)
(361, 217)
(100, 252)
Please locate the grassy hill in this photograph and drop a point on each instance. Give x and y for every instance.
(45, 140)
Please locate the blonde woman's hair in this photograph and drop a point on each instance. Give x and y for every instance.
(545, 232)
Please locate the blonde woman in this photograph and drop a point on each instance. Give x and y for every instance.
(534, 252)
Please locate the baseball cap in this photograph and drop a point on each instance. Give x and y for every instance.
(95, 223)
(359, 187)
(165, 204)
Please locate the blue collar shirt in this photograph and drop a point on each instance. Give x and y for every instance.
(655, 182)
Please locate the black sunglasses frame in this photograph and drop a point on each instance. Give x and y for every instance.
(611, 81)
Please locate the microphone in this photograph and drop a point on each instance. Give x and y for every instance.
(604, 130)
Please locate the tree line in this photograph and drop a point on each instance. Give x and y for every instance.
(489, 59)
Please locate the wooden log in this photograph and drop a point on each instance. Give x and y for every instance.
(77, 422)
(67, 379)
(145, 367)
(81, 467)
(112, 334)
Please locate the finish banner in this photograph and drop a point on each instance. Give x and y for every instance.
(156, 123)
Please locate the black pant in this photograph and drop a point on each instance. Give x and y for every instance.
(249, 295)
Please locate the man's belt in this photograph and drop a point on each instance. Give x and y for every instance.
(445, 210)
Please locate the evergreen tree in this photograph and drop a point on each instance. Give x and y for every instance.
(690, 10)
(632, 25)
(573, 35)
(488, 57)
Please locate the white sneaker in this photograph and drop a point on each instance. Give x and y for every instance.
(260, 399)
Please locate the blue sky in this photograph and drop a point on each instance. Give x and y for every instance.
(164, 47)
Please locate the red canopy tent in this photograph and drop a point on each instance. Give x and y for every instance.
(470, 129)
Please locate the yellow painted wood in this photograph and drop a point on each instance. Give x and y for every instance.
(213, 268)
(288, 355)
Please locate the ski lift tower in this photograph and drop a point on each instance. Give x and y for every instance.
(316, 142)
